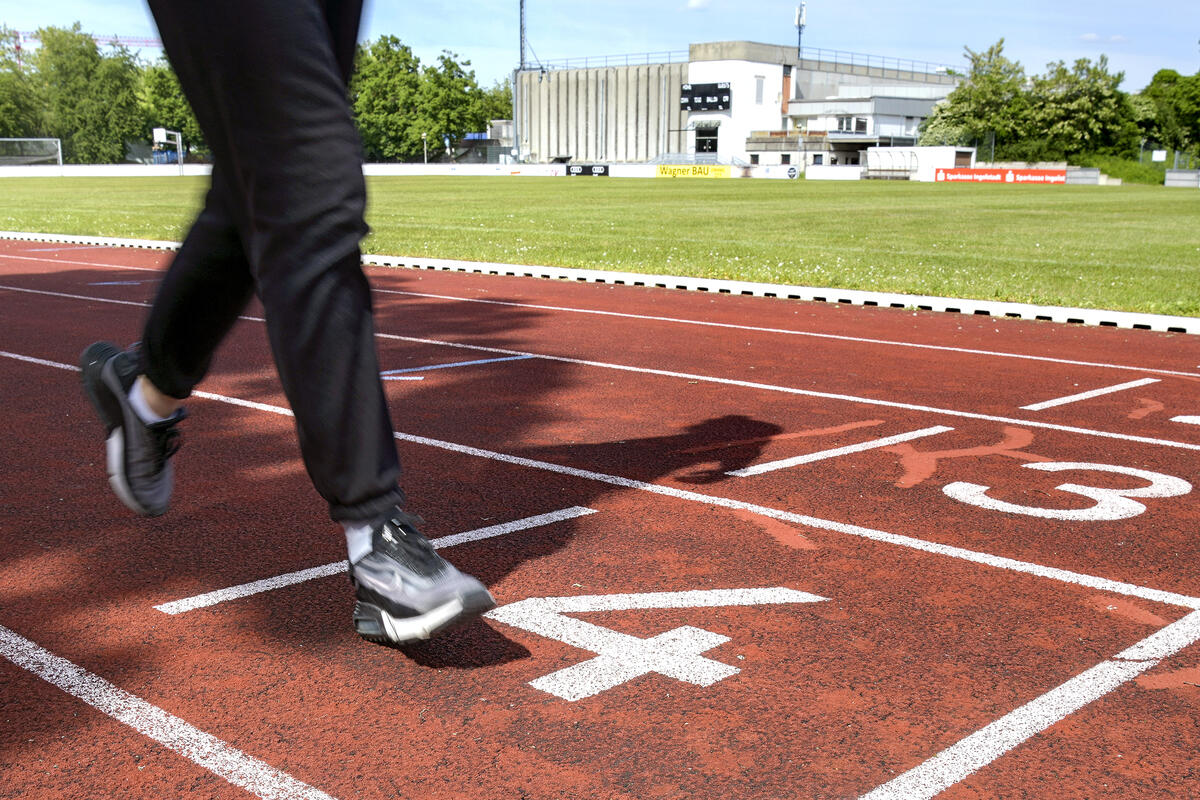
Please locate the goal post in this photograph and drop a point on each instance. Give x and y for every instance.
(26, 152)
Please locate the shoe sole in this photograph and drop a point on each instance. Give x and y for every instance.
(92, 363)
(376, 625)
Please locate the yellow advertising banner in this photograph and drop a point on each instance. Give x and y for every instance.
(694, 171)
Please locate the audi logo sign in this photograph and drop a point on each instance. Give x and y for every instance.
(593, 170)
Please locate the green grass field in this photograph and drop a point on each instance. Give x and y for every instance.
(1131, 248)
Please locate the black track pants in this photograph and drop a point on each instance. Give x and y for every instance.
(283, 219)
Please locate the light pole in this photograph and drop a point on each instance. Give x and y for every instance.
(425, 146)
(801, 19)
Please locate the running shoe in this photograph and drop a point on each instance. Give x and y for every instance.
(405, 590)
(138, 454)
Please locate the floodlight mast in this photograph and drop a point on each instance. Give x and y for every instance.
(801, 20)
(516, 92)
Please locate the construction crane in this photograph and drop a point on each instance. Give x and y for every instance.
(114, 39)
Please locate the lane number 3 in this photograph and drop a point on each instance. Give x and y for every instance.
(1111, 504)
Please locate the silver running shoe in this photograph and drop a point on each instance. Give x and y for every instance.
(405, 590)
(139, 455)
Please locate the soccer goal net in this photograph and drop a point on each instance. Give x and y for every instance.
(22, 152)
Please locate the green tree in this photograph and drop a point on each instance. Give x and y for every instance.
(991, 101)
(90, 100)
(1162, 125)
(497, 102)
(19, 117)
(384, 94)
(164, 106)
(1187, 104)
(1081, 110)
(449, 102)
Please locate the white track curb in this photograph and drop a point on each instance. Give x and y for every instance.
(994, 308)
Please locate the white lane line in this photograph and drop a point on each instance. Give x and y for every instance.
(1088, 687)
(1187, 420)
(981, 748)
(79, 263)
(175, 734)
(810, 458)
(62, 249)
(699, 323)
(789, 332)
(766, 387)
(1075, 398)
(1052, 573)
(290, 579)
(475, 363)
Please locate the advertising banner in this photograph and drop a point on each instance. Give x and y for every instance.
(592, 170)
(1034, 176)
(693, 171)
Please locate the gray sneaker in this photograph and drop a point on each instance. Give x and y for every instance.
(139, 455)
(405, 590)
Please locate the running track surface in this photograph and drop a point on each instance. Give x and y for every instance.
(958, 557)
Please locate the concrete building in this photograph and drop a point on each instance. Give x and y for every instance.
(729, 102)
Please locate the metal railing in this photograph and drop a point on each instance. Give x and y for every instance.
(817, 54)
(850, 59)
(627, 60)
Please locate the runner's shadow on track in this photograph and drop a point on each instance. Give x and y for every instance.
(473, 645)
(701, 454)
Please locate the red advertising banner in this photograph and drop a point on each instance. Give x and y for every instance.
(1036, 176)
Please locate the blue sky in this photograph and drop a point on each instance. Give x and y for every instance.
(1036, 32)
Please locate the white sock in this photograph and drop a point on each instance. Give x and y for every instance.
(140, 407)
(358, 539)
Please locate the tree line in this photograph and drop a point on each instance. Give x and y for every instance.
(97, 102)
(1064, 113)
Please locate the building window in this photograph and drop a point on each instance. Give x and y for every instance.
(754, 159)
(818, 160)
(844, 124)
(785, 158)
(706, 140)
(860, 124)
(759, 80)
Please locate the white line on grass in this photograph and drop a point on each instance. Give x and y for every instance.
(1075, 398)
(862, 447)
(170, 731)
(292, 578)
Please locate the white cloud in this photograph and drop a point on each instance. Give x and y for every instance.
(696, 4)
(1118, 38)
(1090, 37)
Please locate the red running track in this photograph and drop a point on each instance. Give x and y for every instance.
(958, 558)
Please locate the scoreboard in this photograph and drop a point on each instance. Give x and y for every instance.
(705, 97)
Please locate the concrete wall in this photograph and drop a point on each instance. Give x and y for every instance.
(151, 171)
(606, 114)
(104, 171)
